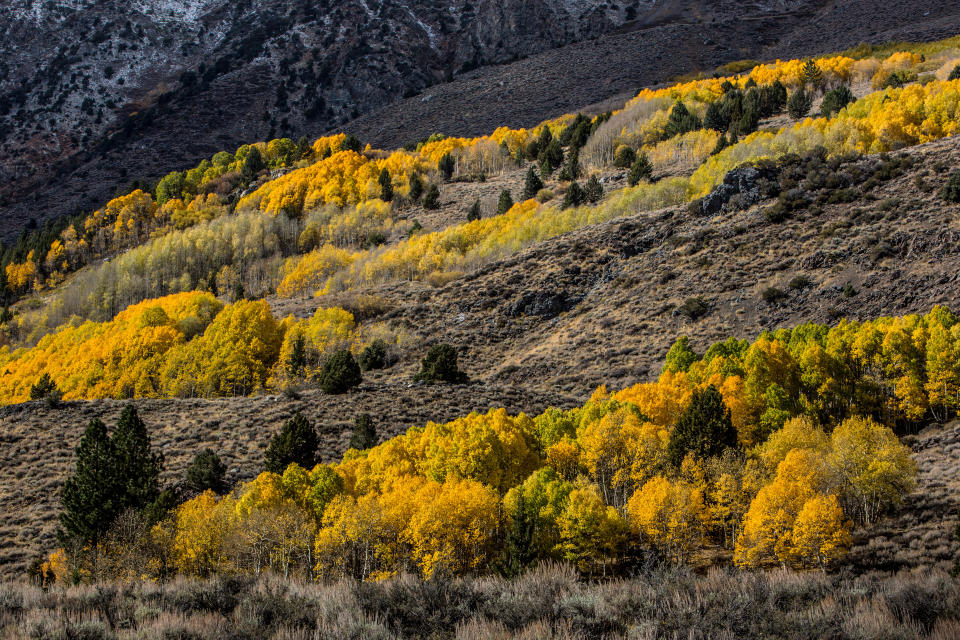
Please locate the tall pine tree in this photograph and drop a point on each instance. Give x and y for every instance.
(136, 466)
(90, 495)
(703, 429)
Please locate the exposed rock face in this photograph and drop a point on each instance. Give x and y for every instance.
(744, 182)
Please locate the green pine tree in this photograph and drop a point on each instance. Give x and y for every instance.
(206, 471)
(431, 200)
(296, 442)
(340, 373)
(593, 190)
(440, 365)
(641, 170)
(446, 166)
(680, 121)
(574, 196)
(90, 497)
(252, 164)
(364, 433)
(505, 202)
(416, 187)
(136, 465)
(703, 429)
(532, 185)
(386, 185)
(474, 213)
(799, 104)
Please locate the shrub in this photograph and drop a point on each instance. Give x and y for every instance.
(432, 198)
(373, 356)
(694, 308)
(773, 295)
(440, 365)
(799, 104)
(544, 195)
(206, 472)
(296, 442)
(800, 282)
(340, 372)
(951, 190)
(364, 433)
(641, 170)
(624, 157)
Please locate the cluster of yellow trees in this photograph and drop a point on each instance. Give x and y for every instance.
(184, 345)
(598, 484)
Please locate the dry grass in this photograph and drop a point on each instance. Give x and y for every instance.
(547, 602)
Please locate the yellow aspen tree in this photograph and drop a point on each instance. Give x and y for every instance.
(821, 535)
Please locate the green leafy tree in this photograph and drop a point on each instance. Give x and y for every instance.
(206, 471)
(90, 498)
(532, 185)
(170, 187)
(137, 466)
(504, 202)
(641, 170)
(440, 365)
(364, 433)
(446, 165)
(835, 100)
(432, 198)
(474, 213)
(386, 185)
(680, 356)
(340, 372)
(593, 190)
(703, 429)
(296, 442)
(799, 104)
(680, 121)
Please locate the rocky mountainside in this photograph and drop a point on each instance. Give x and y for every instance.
(106, 91)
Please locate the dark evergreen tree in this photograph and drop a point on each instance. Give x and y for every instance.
(505, 202)
(416, 187)
(340, 372)
(519, 551)
(44, 388)
(713, 118)
(474, 213)
(446, 165)
(351, 143)
(137, 467)
(432, 198)
(532, 185)
(574, 196)
(703, 429)
(252, 164)
(641, 170)
(296, 442)
(593, 190)
(624, 157)
(951, 190)
(206, 471)
(722, 143)
(298, 356)
(440, 365)
(955, 73)
(680, 121)
(799, 104)
(551, 157)
(90, 496)
(386, 185)
(364, 433)
(811, 75)
(835, 100)
(571, 170)
(373, 356)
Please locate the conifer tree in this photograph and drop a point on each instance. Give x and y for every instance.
(364, 433)
(90, 497)
(386, 185)
(474, 213)
(351, 143)
(252, 164)
(505, 202)
(416, 187)
(812, 75)
(571, 170)
(440, 365)
(532, 185)
(703, 429)
(446, 165)
(713, 119)
(551, 157)
(432, 198)
(680, 121)
(799, 104)
(574, 196)
(298, 356)
(296, 442)
(206, 471)
(340, 373)
(137, 467)
(593, 190)
(641, 170)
